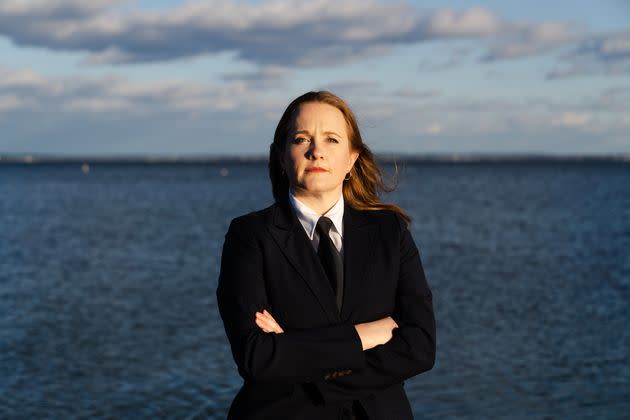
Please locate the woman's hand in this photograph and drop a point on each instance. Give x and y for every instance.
(376, 332)
(266, 323)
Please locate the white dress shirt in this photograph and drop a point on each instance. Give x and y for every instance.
(309, 217)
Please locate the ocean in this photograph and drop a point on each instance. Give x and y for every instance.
(108, 279)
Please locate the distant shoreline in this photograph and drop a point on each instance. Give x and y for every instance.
(383, 157)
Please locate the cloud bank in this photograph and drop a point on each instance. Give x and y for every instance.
(114, 113)
(275, 33)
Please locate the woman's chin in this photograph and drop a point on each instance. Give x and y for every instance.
(318, 188)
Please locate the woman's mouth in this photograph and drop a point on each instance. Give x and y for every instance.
(317, 169)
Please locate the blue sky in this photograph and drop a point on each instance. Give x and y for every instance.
(208, 77)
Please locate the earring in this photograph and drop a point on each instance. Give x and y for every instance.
(348, 176)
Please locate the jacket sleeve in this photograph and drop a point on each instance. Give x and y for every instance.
(293, 356)
(410, 351)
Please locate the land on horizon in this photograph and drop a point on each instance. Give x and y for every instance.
(383, 156)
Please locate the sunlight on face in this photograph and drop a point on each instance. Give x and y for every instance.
(318, 155)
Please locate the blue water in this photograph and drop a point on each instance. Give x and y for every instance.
(107, 281)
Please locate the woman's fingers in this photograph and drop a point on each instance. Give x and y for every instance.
(267, 323)
(395, 325)
(268, 326)
(264, 323)
(275, 326)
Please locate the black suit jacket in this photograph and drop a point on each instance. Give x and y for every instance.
(317, 367)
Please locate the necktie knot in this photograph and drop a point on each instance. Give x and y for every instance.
(323, 226)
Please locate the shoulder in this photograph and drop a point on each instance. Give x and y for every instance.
(387, 219)
(253, 220)
(257, 222)
(247, 230)
(393, 230)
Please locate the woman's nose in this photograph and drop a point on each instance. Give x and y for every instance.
(316, 150)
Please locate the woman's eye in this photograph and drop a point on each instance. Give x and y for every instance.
(333, 140)
(299, 140)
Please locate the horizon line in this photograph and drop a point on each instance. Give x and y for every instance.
(33, 158)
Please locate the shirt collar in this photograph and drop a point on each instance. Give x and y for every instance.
(308, 217)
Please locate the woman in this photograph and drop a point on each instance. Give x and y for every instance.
(323, 295)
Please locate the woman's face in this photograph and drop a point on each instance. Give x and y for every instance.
(317, 155)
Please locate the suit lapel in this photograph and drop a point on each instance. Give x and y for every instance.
(289, 234)
(358, 235)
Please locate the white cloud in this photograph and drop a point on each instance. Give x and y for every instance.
(535, 39)
(10, 103)
(474, 22)
(434, 128)
(98, 105)
(413, 93)
(617, 45)
(54, 8)
(265, 77)
(19, 88)
(21, 79)
(571, 119)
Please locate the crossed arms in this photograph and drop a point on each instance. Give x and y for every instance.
(365, 357)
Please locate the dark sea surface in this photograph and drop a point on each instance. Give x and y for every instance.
(107, 288)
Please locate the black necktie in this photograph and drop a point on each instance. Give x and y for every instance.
(330, 258)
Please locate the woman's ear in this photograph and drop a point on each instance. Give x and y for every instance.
(353, 158)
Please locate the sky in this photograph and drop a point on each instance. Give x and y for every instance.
(211, 78)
